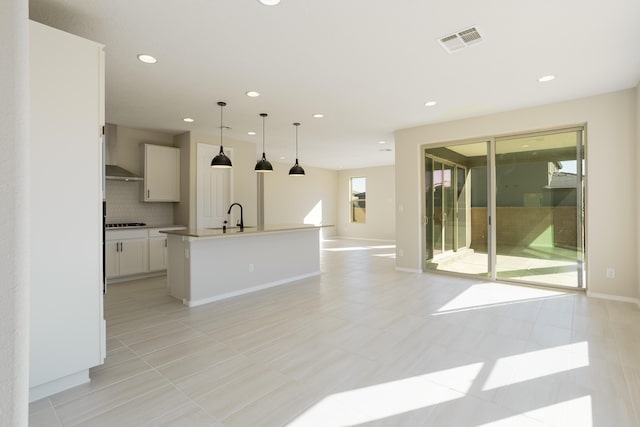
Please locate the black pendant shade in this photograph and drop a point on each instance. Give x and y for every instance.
(296, 170)
(263, 164)
(221, 161)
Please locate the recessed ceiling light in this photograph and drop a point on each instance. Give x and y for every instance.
(546, 78)
(251, 133)
(430, 103)
(382, 142)
(282, 157)
(318, 116)
(269, 2)
(252, 94)
(188, 120)
(147, 59)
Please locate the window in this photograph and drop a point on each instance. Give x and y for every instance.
(358, 200)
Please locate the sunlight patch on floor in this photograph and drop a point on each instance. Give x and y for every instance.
(489, 294)
(383, 400)
(532, 365)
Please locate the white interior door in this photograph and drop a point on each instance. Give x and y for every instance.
(213, 188)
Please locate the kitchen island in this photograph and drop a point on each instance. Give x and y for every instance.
(206, 265)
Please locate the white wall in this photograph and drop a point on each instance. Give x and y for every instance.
(297, 200)
(380, 222)
(14, 213)
(612, 207)
(243, 176)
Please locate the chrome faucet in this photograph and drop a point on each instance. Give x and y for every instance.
(241, 219)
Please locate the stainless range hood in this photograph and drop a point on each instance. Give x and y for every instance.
(114, 172)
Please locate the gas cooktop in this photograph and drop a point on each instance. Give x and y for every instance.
(125, 224)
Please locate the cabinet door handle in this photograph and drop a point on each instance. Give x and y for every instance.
(165, 243)
(148, 194)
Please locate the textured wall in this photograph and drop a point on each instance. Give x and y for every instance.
(380, 221)
(14, 213)
(296, 200)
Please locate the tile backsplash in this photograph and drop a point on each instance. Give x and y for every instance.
(124, 205)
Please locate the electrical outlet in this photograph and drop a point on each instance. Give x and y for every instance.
(400, 252)
(250, 268)
(611, 273)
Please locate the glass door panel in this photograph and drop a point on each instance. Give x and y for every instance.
(460, 208)
(538, 209)
(448, 217)
(428, 214)
(456, 199)
(438, 225)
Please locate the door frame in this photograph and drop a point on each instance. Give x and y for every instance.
(201, 150)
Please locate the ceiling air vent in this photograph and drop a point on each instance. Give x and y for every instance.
(460, 40)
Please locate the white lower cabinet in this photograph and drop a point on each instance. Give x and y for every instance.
(126, 252)
(112, 261)
(133, 252)
(133, 257)
(157, 253)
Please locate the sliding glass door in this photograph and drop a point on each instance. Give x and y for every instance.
(508, 208)
(456, 209)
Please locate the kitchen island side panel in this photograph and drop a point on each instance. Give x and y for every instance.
(226, 267)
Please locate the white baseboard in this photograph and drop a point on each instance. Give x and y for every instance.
(121, 279)
(52, 387)
(195, 303)
(614, 297)
(408, 270)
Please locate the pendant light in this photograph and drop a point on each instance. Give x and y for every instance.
(296, 170)
(263, 164)
(221, 161)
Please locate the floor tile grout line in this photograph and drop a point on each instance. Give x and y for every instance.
(107, 385)
(179, 390)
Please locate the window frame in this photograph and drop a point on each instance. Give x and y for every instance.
(357, 206)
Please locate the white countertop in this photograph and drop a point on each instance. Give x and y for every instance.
(209, 233)
(143, 227)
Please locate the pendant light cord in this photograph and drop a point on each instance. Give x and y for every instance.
(263, 119)
(221, 125)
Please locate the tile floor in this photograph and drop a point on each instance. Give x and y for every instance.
(361, 345)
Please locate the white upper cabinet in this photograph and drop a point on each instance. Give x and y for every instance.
(161, 173)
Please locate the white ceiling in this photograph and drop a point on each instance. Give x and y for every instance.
(367, 65)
